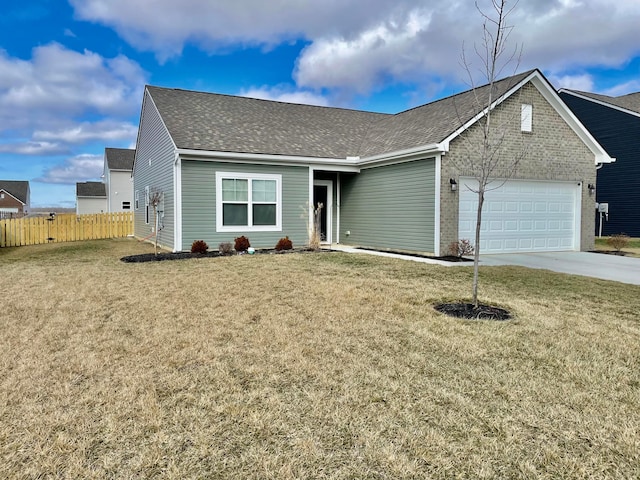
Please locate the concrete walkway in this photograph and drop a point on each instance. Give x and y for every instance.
(597, 265)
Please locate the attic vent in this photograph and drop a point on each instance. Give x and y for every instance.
(526, 118)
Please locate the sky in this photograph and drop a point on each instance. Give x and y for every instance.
(72, 73)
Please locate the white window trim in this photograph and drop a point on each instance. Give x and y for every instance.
(248, 176)
(137, 200)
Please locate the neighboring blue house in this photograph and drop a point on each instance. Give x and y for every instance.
(615, 124)
(228, 166)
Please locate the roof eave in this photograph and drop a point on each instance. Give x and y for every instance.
(599, 102)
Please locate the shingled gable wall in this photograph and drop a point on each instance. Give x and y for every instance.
(553, 152)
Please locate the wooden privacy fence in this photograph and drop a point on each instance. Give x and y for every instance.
(64, 228)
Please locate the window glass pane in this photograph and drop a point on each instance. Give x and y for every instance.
(234, 214)
(264, 214)
(235, 190)
(263, 190)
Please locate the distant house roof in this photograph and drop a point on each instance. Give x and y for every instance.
(630, 102)
(17, 188)
(91, 189)
(119, 158)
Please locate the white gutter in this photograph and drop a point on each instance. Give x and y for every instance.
(349, 164)
(407, 154)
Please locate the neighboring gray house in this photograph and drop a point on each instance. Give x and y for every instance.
(118, 165)
(91, 197)
(230, 166)
(15, 198)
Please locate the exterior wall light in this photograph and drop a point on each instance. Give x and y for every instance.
(454, 185)
(592, 188)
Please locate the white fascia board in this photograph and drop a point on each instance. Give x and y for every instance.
(549, 93)
(12, 196)
(599, 102)
(401, 156)
(349, 164)
(447, 141)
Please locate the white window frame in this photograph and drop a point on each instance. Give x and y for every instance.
(526, 118)
(137, 200)
(248, 228)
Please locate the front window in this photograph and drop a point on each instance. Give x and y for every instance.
(248, 202)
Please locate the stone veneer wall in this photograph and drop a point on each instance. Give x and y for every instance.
(552, 152)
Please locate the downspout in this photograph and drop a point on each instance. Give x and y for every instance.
(338, 207)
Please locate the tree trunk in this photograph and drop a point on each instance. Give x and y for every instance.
(476, 256)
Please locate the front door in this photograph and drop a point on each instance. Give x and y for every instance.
(323, 193)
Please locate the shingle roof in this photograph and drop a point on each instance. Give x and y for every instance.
(17, 188)
(433, 122)
(119, 158)
(91, 189)
(214, 122)
(630, 101)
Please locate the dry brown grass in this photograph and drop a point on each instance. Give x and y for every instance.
(323, 365)
(632, 249)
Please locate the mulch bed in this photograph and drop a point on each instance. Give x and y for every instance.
(470, 312)
(150, 257)
(446, 258)
(609, 252)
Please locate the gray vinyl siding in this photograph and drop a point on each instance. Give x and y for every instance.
(390, 207)
(199, 204)
(155, 145)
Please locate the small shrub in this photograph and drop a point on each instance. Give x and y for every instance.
(284, 244)
(241, 244)
(460, 248)
(618, 242)
(225, 248)
(199, 246)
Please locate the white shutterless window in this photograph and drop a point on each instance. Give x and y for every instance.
(248, 202)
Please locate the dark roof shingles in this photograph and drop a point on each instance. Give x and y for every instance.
(17, 188)
(119, 158)
(214, 122)
(91, 189)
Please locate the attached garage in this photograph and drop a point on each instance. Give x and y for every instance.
(522, 216)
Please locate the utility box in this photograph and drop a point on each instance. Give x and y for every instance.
(603, 208)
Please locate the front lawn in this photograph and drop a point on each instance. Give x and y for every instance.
(309, 366)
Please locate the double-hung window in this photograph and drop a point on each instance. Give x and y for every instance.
(248, 202)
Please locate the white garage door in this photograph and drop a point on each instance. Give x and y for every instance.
(522, 216)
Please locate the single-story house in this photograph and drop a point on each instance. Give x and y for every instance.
(91, 197)
(615, 123)
(15, 198)
(118, 165)
(230, 166)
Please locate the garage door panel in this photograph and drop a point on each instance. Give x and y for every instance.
(521, 216)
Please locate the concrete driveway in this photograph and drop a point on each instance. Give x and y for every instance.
(606, 267)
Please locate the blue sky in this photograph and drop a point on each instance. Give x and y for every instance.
(72, 72)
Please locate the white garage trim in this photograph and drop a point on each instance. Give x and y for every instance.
(522, 215)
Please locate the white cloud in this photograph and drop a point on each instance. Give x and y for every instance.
(283, 94)
(632, 86)
(58, 85)
(359, 45)
(76, 169)
(33, 148)
(582, 82)
(106, 130)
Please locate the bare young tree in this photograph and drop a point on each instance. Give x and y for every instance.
(155, 200)
(486, 158)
